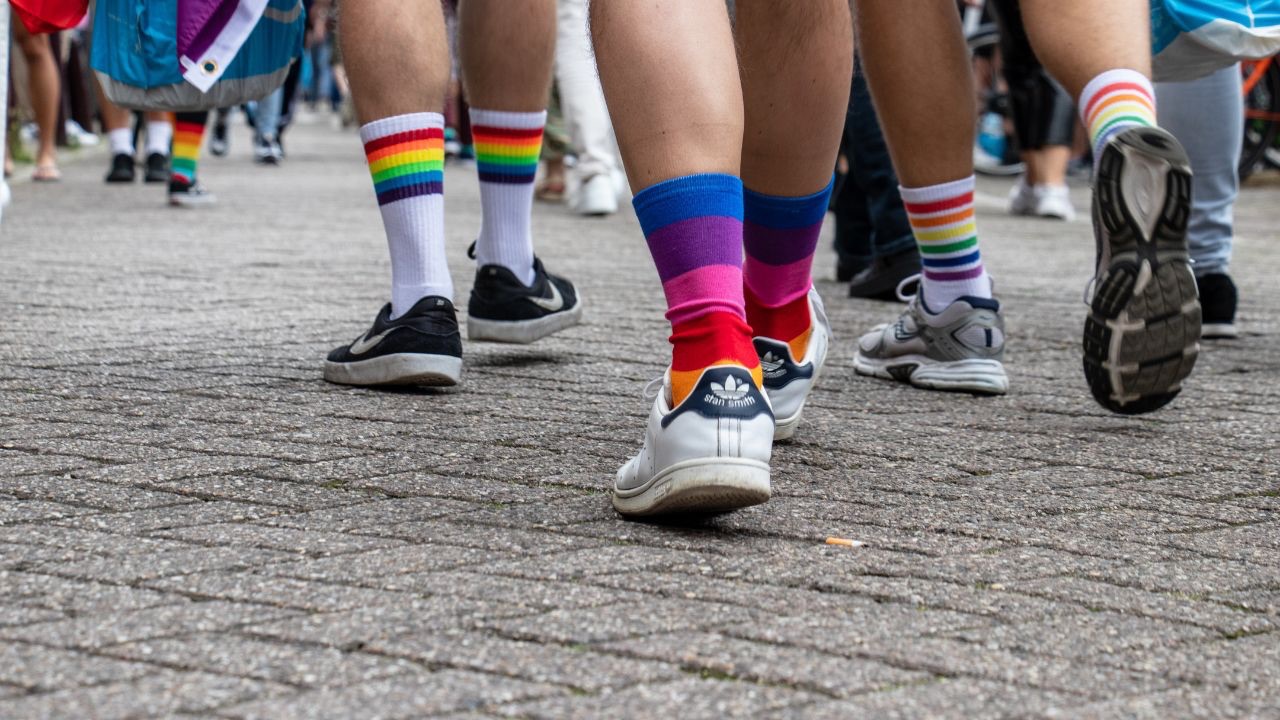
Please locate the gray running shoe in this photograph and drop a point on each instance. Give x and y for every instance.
(1141, 337)
(960, 348)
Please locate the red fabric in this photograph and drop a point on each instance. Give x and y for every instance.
(710, 339)
(47, 16)
(784, 323)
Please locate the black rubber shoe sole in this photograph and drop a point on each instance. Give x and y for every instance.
(1141, 337)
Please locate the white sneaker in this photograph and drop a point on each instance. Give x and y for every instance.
(597, 196)
(786, 382)
(1054, 201)
(709, 454)
(1022, 198)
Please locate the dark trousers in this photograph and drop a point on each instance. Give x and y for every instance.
(870, 219)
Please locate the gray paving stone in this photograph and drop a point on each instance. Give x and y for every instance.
(247, 586)
(727, 657)
(142, 521)
(259, 491)
(230, 654)
(1087, 636)
(75, 596)
(377, 513)
(613, 622)
(1218, 703)
(158, 695)
(36, 668)
(574, 666)
(309, 542)
(86, 494)
(115, 628)
(691, 698)
(361, 626)
(945, 698)
(1167, 606)
(148, 566)
(402, 697)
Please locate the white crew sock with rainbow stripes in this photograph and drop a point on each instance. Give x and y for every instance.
(946, 231)
(507, 148)
(1113, 102)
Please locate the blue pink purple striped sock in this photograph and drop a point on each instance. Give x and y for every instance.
(406, 160)
(946, 231)
(780, 235)
(693, 226)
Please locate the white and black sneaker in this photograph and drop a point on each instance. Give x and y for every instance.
(709, 454)
(503, 309)
(788, 381)
(421, 347)
(1142, 335)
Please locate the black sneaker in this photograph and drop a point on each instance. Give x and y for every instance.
(421, 347)
(157, 168)
(1142, 335)
(1218, 299)
(881, 280)
(502, 309)
(122, 170)
(189, 194)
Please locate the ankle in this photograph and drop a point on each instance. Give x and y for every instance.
(790, 322)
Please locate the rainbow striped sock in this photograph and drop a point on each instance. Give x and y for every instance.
(1113, 102)
(188, 132)
(694, 229)
(406, 160)
(780, 235)
(507, 148)
(946, 231)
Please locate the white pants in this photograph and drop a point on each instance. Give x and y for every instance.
(586, 117)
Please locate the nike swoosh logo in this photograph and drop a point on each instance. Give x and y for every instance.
(366, 343)
(555, 303)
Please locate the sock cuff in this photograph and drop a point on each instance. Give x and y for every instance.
(400, 123)
(783, 212)
(1118, 76)
(949, 196)
(684, 198)
(508, 119)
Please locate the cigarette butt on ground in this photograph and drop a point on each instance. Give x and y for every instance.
(846, 542)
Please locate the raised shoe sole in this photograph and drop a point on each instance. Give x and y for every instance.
(709, 485)
(523, 332)
(981, 376)
(397, 369)
(1141, 337)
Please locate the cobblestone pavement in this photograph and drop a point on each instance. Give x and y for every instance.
(193, 523)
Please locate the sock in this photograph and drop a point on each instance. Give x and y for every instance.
(406, 159)
(159, 133)
(942, 220)
(1115, 101)
(694, 229)
(121, 142)
(507, 149)
(188, 131)
(780, 235)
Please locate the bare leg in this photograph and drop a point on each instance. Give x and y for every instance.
(1077, 41)
(919, 76)
(45, 90)
(395, 55)
(796, 64)
(507, 50)
(670, 77)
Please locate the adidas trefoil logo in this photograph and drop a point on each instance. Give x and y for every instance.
(731, 394)
(730, 390)
(770, 362)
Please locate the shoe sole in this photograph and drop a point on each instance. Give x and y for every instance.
(523, 332)
(188, 203)
(398, 369)
(712, 485)
(1219, 331)
(984, 377)
(1141, 337)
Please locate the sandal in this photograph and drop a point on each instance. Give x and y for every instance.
(47, 173)
(550, 191)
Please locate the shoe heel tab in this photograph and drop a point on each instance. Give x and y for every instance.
(724, 391)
